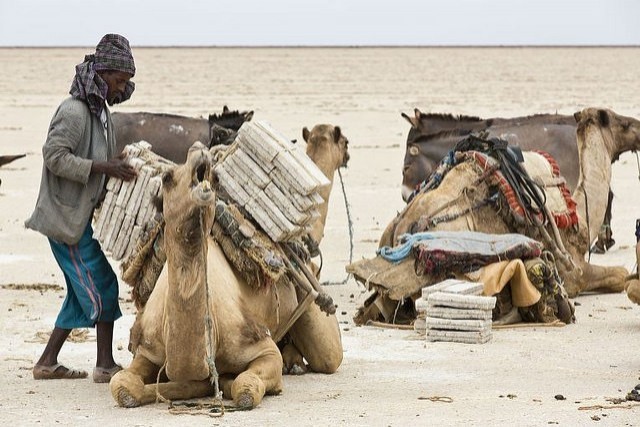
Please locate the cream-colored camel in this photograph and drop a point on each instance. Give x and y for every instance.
(328, 148)
(198, 283)
(602, 135)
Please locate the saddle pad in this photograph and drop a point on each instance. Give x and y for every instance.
(543, 169)
(464, 251)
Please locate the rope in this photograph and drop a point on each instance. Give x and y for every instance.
(218, 407)
(350, 223)
(214, 377)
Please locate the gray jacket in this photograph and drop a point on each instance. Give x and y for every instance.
(68, 191)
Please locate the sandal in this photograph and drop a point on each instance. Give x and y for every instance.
(57, 372)
(103, 375)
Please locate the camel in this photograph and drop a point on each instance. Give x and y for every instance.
(328, 148)
(171, 135)
(247, 360)
(432, 136)
(602, 135)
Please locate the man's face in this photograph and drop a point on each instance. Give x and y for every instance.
(116, 81)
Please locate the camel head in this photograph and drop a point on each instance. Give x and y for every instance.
(327, 147)
(188, 197)
(620, 133)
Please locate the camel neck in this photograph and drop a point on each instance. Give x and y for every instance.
(591, 194)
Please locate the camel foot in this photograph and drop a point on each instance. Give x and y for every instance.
(598, 248)
(124, 389)
(293, 363)
(125, 399)
(244, 401)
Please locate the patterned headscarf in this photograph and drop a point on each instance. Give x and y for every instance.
(112, 54)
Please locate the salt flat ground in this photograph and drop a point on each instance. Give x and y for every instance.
(388, 377)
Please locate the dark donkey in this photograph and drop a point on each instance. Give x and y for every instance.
(171, 135)
(432, 136)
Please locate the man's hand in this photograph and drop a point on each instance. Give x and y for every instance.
(116, 168)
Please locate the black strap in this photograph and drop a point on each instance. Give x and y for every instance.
(530, 195)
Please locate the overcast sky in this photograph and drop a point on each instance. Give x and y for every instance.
(321, 22)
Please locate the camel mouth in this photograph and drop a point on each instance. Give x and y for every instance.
(345, 160)
(201, 190)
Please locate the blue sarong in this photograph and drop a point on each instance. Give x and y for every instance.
(92, 285)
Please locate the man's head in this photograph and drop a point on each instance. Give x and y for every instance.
(104, 77)
(114, 63)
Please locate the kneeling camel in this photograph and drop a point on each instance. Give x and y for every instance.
(204, 321)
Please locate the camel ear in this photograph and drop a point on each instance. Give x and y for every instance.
(603, 118)
(577, 116)
(305, 134)
(336, 134)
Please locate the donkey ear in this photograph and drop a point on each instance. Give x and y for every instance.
(413, 121)
(577, 116)
(603, 118)
(337, 134)
(305, 134)
(407, 118)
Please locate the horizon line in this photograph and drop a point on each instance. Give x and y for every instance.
(354, 46)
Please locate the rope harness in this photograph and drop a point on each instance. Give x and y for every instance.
(217, 406)
(350, 224)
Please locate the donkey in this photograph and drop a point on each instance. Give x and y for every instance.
(171, 135)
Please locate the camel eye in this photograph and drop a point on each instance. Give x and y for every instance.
(167, 179)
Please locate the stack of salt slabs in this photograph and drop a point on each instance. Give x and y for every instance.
(273, 180)
(127, 212)
(454, 310)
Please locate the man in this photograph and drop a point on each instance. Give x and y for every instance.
(79, 155)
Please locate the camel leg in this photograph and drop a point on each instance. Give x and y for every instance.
(317, 336)
(292, 359)
(263, 376)
(136, 385)
(605, 236)
(596, 278)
